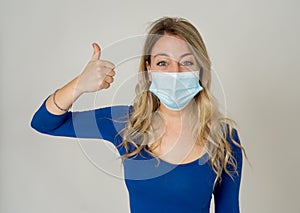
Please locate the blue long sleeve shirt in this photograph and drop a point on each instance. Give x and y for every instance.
(152, 186)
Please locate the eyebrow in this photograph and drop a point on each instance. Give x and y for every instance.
(166, 55)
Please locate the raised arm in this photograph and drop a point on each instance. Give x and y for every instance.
(53, 117)
(98, 74)
(226, 194)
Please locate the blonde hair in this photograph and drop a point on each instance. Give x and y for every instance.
(212, 125)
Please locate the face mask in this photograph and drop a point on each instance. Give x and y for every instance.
(175, 89)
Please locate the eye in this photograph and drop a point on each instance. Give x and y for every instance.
(162, 63)
(187, 63)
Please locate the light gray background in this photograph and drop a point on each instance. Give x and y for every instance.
(44, 44)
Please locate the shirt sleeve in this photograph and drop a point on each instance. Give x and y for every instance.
(226, 194)
(104, 123)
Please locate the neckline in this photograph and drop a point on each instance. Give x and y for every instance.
(185, 164)
(204, 155)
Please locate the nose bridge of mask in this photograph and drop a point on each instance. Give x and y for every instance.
(175, 75)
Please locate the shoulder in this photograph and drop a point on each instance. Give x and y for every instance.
(231, 134)
(233, 140)
(232, 137)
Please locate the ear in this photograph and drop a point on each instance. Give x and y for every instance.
(148, 71)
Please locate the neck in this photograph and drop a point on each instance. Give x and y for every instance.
(175, 115)
(169, 113)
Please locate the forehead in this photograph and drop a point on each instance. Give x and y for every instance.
(170, 45)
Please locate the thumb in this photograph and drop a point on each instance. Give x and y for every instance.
(97, 52)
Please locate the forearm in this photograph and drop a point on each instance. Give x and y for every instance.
(64, 98)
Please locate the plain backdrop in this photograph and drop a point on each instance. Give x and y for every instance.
(254, 47)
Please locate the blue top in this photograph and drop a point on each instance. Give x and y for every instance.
(153, 187)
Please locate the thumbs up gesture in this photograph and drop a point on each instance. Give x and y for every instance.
(98, 74)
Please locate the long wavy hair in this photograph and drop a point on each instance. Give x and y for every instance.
(212, 126)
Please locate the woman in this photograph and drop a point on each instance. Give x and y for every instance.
(177, 148)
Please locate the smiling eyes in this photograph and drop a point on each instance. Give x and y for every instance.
(166, 63)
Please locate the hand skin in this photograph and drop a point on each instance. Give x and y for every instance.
(98, 74)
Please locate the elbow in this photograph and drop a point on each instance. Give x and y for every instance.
(36, 125)
(44, 122)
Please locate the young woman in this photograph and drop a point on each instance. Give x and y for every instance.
(177, 148)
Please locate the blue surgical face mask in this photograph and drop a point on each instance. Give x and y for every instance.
(175, 89)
